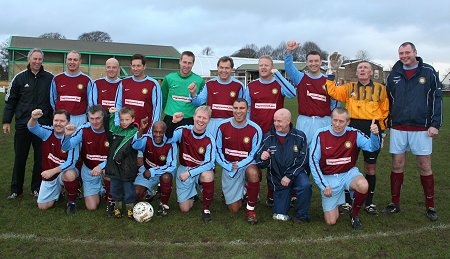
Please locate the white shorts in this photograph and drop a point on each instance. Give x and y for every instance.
(233, 187)
(418, 142)
(187, 189)
(310, 124)
(338, 183)
(92, 185)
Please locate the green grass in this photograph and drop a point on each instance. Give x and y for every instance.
(28, 232)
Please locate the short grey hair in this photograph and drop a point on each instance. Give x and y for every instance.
(35, 50)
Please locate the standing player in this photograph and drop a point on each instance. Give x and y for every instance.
(415, 114)
(104, 89)
(140, 92)
(71, 90)
(29, 90)
(176, 93)
(94, 151)
(364, 100)
(333, 154)
(58, 166)
(236, 143)
(196, 154)
(159, 165)
(219, 93)
(314, 104)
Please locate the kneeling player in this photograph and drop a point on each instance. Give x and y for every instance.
(196, 154)
(159, 165)
(236, 143)
(58, 167)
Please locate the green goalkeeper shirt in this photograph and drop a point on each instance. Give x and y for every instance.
(175, 93)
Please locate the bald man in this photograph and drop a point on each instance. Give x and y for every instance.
(284, 150)
(104, 89)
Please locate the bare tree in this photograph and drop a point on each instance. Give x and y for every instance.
(98, 36)
(52, 35)
(4, 58)
(307, 47)
(266, 50)
(363, 54)
(280, 51)
(248, 51)
(208, 51)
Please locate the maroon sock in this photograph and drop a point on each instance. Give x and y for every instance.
(358, 200)
(166, 190)
(72, 189)
(269, 193)
(396, 187)
(252, 193)
(208, 193)
(428, 189)
(107, 189)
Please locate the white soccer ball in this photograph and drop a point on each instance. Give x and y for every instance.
(143, 211)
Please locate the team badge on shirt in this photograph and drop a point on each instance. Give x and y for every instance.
(324, 87)
(246, 140)
(80, 86)
(348, 144)
(274, 91)
(106, 144)
(63, 151)
(145, 91)
(422, 80)
(201, 150)
(232, 94)
(295, 148)
(162, 158)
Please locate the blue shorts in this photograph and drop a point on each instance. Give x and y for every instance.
(92, 185)
(212, 126)
(233, 187)
(338, 183)
(418, 142)
(50, 190)
(187, 189)
(310, 124)
(147, 183)
(78, 120)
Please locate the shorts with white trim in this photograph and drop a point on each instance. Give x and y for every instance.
(338, 183)
(187, 189)
(418, 142)
(233, 187)
(92, 185)
(310, 124)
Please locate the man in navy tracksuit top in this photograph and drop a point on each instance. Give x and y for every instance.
(284, 150)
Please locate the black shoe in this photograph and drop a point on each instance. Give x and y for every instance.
(296, 220)
(431, 214)
(269, 202)
(356, 223)
(13, 196)
(345, 208)
(163, 210)
(71, 209)
(391, 208)
(206, 216)
(35, 193)
(110, 209)
(372, 210)
(293, 202)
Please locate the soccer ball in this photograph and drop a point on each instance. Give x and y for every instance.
(143, 211)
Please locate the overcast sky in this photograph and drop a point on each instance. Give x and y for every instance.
(378, 27)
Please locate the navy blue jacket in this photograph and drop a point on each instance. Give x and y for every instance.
(287, 160)
(416, 101)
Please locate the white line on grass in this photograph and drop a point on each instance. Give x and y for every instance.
(239, 242)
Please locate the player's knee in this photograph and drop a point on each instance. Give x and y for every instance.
(69, 176)
(45, 206)
(330, 221)
(166, 178)
(207, 176)
(252, 173)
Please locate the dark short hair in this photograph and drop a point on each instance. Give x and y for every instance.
(189, 54)
(95, 108)
(225, 59)
(313, 52)
(127, 110)
(341, 110)
(138, 56)
(404, 44)
(241, 100)
(62, 112)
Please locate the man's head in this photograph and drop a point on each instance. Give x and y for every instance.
(407, 53)
(364, 72)
(240, 110)
(126, 116)
(138, 66)
(187, 60)
(112, 69)
(201, 118)
(282, 120)
(224, 68)
(313, 62)
(73, 62)
(340, 118)
(158, 131)
(95, 117)
(265, 66)
(61, 119)
(35, 58)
